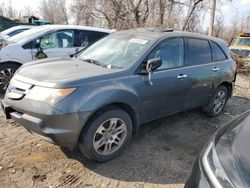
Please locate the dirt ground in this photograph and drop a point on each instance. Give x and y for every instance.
(160, 155)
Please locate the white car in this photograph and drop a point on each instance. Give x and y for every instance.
(14, 31)
(42, 42)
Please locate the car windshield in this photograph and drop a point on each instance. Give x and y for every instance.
(116, 51)
(26, 35)
(242, 42)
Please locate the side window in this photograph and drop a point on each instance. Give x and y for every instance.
(198, 52)
(29, 45)
(58, 39)
(85, 38)
(171, 53)
(95, 36)
(218, 54)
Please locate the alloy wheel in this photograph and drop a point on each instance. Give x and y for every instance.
(109, 136)
(219, 101)
(5, 77)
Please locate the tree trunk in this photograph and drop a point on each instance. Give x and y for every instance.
(212, 15)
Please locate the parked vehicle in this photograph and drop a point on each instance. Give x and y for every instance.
(14, 31)
(42, 42)
(97, 100)
(224, 162)
(4, 35)
(240, 50)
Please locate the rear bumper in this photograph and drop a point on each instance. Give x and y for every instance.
(56, 127)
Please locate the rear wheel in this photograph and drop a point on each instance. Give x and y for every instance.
(106, 136)
(7, 71)
(217, 102)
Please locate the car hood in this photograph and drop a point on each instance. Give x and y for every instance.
(55, 71)
(233, 150)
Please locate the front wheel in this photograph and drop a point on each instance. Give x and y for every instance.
(217, 102)
(106, 136)
(7, 70)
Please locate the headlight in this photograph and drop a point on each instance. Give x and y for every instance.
(214, 169)
(49, 95)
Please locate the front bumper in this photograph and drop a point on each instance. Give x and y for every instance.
(55, 126)
(197, 178)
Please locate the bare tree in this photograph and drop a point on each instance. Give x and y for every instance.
(114, 11)
(11, 12)
(190, 12)
(27, 11)
(83, 11)
(2, 9)
(139, 10)
(62, 7)
(219, 26)
(54, 11)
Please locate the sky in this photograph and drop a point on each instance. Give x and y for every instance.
(228, 10)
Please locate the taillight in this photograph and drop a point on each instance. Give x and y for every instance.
(234, 65)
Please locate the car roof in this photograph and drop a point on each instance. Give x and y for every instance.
(7, 31)
(158, 33)
(37, 31)
(51, 27)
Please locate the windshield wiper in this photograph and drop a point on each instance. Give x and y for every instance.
(93, 62)
(100, 64)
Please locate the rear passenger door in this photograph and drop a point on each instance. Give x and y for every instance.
(219, 62)
(198, 64)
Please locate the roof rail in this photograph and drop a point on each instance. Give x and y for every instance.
(159, 29)
(168, 30)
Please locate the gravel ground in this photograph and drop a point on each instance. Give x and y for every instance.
(160, 155)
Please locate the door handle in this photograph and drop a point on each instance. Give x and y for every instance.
(181, 76)
(216, 69)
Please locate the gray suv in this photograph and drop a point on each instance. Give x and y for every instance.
(98, 100)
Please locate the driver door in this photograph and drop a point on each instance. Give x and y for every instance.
(171, 84)
(58, 43)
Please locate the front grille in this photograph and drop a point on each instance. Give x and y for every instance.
(242, 53)
(17, 89)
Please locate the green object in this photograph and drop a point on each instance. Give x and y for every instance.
(6, 23)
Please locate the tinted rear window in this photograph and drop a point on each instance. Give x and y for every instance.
(88, 37)
(218, 54)
(29, 45)
(198, 52)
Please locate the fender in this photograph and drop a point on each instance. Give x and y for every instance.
(93, 97)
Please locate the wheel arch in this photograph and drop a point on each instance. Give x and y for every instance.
(120, 105)
(229, 87)
(13, 62)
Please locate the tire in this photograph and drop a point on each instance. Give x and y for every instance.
(100, 141)
(7, 71)
(217, 103)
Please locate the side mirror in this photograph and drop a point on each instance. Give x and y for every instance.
(152, 65)
(41, 55)
(37, 43)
